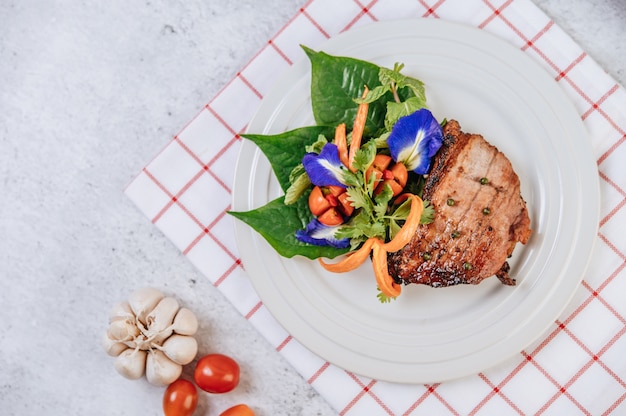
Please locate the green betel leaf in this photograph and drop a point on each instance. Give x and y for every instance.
(285, 150)
(277, 223)
(336, 82)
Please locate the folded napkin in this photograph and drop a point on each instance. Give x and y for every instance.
(577, 367)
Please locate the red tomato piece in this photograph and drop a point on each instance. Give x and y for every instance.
(216, 373)
(400, 174)
(381, 162)
(335, 190)
(238, 410)
(318, 203)
(180, 398)
(331, 217)
(346, 206)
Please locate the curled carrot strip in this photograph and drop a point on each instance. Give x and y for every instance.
(385, 282)
(352, 260)
(341, 143)
(409, 228)
(357, 130)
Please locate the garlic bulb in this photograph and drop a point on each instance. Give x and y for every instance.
(152, 335)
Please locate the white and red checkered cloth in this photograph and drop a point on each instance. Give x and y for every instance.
(578, 367)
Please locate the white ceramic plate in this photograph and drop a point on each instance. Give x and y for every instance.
(430, 335)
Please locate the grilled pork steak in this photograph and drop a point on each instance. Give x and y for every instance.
(479, 216)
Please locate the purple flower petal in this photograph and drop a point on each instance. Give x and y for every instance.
(326, 168)
(319, 234)
(415, 139)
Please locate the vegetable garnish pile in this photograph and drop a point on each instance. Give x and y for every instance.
(353, 181)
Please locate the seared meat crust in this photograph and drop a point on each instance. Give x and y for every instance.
(479, 216)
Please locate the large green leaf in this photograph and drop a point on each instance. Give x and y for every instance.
(277, 223)
(336, 81)
(285, 150)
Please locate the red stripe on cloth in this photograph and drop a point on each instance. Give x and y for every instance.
(443, 401)
(206, 167)
(570, 66)
(430, 10)
(495, 390)
(318, 373)
(284, 343)
(364, 390)
(207, 231)
(596, 294)
(219, 118)
(615, 405)
(596, 105)
(609, 344)
(227, 273)
(600, 110)
(280, 52)
(254, 309)
(612, 148)
(616, 251)
(619, 206)
(497, 12)
(315, 23)
(365, 10)
(174, 199)
(249, 85)
(539, 34)
(421, 399)
(562, 390)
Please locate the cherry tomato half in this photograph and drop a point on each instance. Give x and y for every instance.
(180, 398)
(318, 203)
(216, 373)
(239, 410)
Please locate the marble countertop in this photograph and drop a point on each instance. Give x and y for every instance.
(89, 94)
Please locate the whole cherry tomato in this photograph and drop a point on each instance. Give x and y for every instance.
(216, 373)
(239, 410)
(180, 398)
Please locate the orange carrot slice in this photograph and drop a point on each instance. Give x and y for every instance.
(385, 282)
(352, 260)
(342, 143)
(409, 228)
(357, 130)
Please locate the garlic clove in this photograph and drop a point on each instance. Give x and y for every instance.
(131, 363)
(181, 349)
(113, 347)
(142, 301)
(122, 330)
(121, 311)
(160, 370)
(159, 321)
(185, 322)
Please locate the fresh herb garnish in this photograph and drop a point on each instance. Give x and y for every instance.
(365, 200)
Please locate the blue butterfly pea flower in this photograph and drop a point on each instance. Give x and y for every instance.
(415, 139)
(319, 234)
(326, 168)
